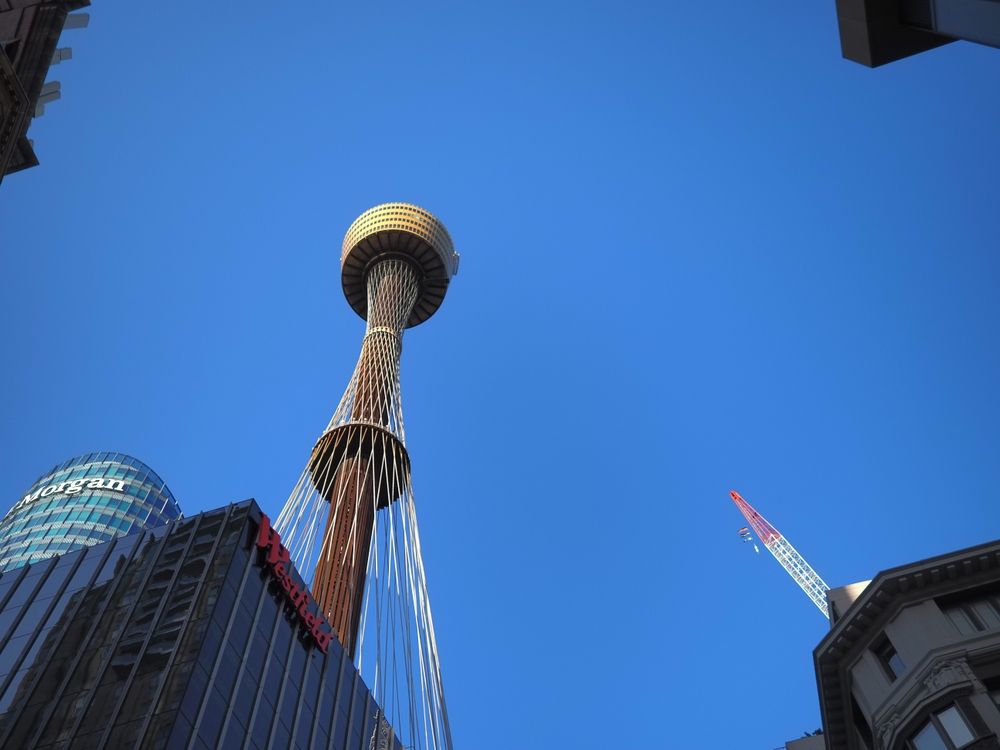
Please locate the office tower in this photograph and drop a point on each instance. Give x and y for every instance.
(85, 500)
(197, 634)
(30, 32)
(876, 32)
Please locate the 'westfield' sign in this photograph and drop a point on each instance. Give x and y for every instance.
(278, 560)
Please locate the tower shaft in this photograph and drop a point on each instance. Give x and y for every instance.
(339, 582)
(367, 431)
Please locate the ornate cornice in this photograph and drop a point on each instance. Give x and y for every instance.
(887, 729)
(951, 672)
(942, 673)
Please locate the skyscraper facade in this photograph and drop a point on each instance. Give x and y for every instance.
(876, 32)
(198, 634)
(83, 501)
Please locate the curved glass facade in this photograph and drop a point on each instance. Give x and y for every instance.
(84, 501)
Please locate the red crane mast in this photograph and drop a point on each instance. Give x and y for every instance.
(789, 558)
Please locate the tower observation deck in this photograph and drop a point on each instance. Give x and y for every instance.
(351, 515)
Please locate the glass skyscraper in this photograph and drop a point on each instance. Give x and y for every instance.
(199, 634)
(81, 502)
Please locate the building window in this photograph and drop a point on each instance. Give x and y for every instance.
(864, 732)
(994, 694)
(945, 730)
(891, 662)
(974, 615)
(11, 49)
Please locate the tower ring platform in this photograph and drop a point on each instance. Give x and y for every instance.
(405, 231)
(370, 443)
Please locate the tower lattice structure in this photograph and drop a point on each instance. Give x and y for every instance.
(351, 516)
(789, 558)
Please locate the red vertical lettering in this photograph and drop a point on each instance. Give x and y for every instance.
(278, 559)
(269, 539)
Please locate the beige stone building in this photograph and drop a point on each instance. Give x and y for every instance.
(912, 659)
(814, 742)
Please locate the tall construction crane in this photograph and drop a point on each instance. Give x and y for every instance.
(796, 565)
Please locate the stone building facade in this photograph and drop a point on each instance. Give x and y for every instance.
(912, 659)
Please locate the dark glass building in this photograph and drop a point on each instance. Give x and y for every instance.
(29, 45)
(876, 32)
(83, 501)
(197, 634)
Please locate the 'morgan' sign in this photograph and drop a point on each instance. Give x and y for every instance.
(74, 487)
(277, 559)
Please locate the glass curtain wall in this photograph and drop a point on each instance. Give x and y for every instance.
(81, 502)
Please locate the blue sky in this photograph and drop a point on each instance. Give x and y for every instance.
(700, 251)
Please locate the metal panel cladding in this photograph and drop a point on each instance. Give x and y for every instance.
(84, 501)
